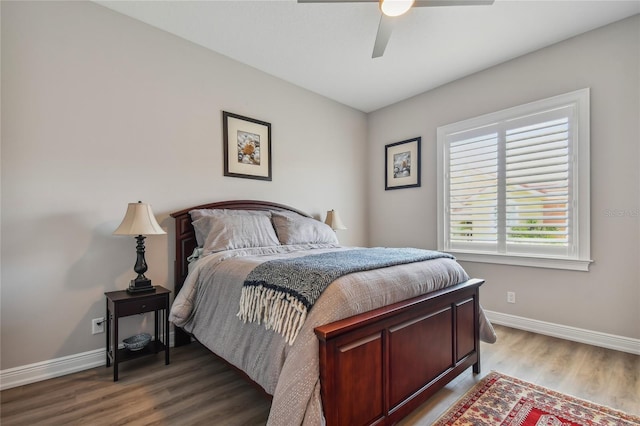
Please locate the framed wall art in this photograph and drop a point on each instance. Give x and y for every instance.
(247, 147)
(402, 163)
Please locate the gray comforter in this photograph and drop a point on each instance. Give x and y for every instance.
(208, 304)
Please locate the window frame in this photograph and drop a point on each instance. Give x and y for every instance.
(579, 163)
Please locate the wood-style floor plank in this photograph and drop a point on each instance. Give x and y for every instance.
(199, 389)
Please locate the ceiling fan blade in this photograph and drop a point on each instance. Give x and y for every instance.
(385, 27)
(433, 3)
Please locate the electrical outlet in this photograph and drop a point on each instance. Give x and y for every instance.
(511, 297)
(97, 325)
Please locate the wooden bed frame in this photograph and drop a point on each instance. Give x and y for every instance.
(379, 366)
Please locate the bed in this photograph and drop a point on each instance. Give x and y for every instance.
(376, 344)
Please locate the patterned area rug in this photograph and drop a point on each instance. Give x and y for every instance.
(506, 401)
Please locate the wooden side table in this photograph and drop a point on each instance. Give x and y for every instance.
(121, 304)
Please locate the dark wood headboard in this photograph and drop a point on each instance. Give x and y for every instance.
(186, 237)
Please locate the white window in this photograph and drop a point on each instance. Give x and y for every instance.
(513, 186)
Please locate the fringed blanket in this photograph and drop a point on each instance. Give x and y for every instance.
(279, 293)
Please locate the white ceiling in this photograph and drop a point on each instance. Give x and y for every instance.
(326, 47)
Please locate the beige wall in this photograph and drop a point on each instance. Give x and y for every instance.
(99, 110)
(607, 298)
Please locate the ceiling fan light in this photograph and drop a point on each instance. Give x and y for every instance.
(395, 7)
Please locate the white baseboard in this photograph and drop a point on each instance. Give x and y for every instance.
(25, 374)
(595, 338)
(44, 370)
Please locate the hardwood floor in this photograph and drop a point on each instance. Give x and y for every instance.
(197, 388)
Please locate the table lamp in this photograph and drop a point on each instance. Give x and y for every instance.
(139, 221)
(334, 221)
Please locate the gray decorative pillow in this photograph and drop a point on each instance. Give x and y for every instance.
(296, 229)
(228, 232)
(202, 231)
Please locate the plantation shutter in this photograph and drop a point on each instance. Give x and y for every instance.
(538, 179)
(509, 183)
(473, 191)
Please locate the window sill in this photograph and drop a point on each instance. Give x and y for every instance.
(531, 261)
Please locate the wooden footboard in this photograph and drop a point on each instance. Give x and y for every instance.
(377, 367)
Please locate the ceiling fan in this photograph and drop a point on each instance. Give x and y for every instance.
(392, 8)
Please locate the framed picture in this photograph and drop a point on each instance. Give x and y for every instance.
(247, 147)
(402, 162)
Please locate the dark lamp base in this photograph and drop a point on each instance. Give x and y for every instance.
(141, 286)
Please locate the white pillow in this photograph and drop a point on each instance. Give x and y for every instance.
(228, 232)
(296, 229)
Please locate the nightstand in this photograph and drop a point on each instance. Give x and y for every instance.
(122, 304)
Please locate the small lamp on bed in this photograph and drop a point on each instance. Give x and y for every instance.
(334, 221)
(139, 221)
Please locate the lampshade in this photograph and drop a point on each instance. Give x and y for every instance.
(395, 7)
(139, 220)
(334, 221)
